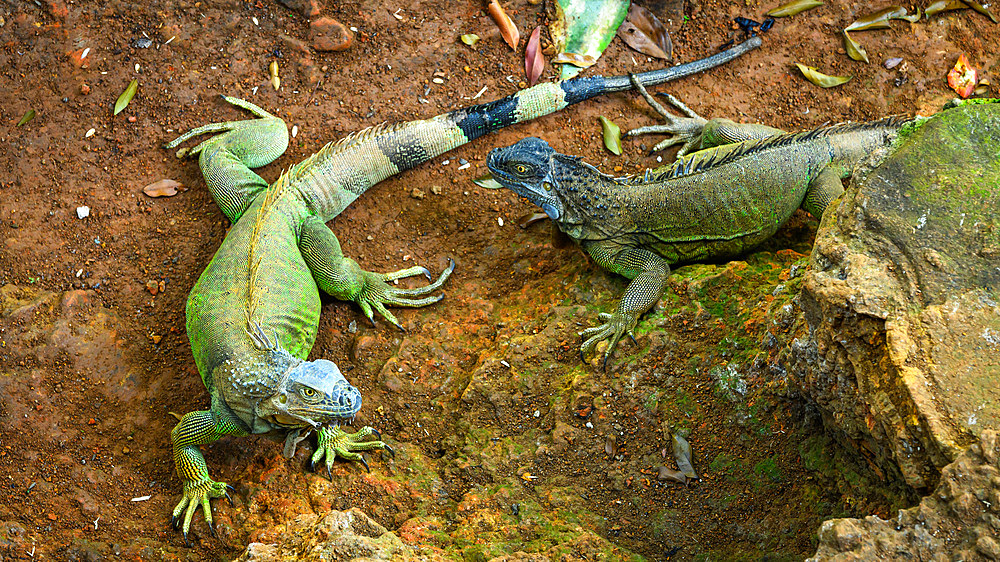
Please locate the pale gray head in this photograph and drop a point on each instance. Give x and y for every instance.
(313, 393)
(525, 168)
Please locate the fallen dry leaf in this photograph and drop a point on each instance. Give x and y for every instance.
(162, 188)
(508, 30)
(645, 33)
(820, 79)
(534, 63)
(963, 78)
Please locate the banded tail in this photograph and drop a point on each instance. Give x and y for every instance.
(341, 171)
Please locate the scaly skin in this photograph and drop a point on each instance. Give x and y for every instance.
(719, 202)
(253, 315)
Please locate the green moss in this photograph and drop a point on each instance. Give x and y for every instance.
(767, 473)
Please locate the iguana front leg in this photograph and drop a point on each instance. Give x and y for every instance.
(342, 277)
(334, 442)
(199, 428)
(648, 273)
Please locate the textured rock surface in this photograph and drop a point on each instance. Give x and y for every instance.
(901, 304)
(338, 535)
(959, 521)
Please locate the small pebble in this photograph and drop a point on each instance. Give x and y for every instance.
(131, 119)
(892, 63)
(82, 212)
(438, 81)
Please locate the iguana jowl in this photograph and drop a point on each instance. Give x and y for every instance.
(253, 315)
(719, 202)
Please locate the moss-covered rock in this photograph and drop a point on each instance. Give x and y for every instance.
(900, 299)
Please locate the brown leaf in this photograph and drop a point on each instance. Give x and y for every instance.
(534, 63)
(645, 33)
(668, 474)
(162, 188)
(611, 445)
(582, 61)
(508, 30)
(682, 454)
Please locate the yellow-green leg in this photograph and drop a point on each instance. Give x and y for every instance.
(226, 159)
(342, 278)
(199, 428)
(334, 442)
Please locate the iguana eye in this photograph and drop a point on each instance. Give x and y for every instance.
(308, 392)
(521, 169)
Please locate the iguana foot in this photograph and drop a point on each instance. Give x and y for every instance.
(379, 292)
(334, 442)
(198, 493)
(685, 130)
(614, 327)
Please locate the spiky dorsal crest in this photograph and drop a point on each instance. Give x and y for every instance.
(721, 155)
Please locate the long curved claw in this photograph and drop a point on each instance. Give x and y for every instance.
(228, 497)
(686, 130)
(335, 442)
(390, 450)
(614, 327)
(197, 493)
(378, 292)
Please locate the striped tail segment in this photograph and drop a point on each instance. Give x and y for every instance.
(341, 171)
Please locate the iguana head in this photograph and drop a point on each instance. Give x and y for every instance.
(313, 393)
(525, 168)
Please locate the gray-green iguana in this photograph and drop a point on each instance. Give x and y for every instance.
(719, 202)
(253, 315)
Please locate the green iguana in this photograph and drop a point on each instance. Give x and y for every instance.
(719, 202)
(253, 315)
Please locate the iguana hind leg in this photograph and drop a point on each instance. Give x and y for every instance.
(695, 131)
(822, 191)
(199, 428)
(226, 159)
(686, 130)
(342, 277)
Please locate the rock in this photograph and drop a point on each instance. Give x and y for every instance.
(338, 535)
(294, 45)
(329, 34)
(899, 338)
(308, 8)
(949, 521)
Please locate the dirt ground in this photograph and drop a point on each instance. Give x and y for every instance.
(91, 362)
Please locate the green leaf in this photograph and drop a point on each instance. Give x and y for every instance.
(469, 39)
(126, 97)
(795, 7)
(944, 6)
(820, 79)
(28, 116)
(878, 20)
(981, 9)
(612, 135)
(912, 18)
(583, 29)
(854, 49)
(487, 182)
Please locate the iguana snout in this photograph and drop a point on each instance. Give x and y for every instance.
(525, 168)
(314, 393)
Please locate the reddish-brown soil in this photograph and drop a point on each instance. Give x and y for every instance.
(91, 363)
